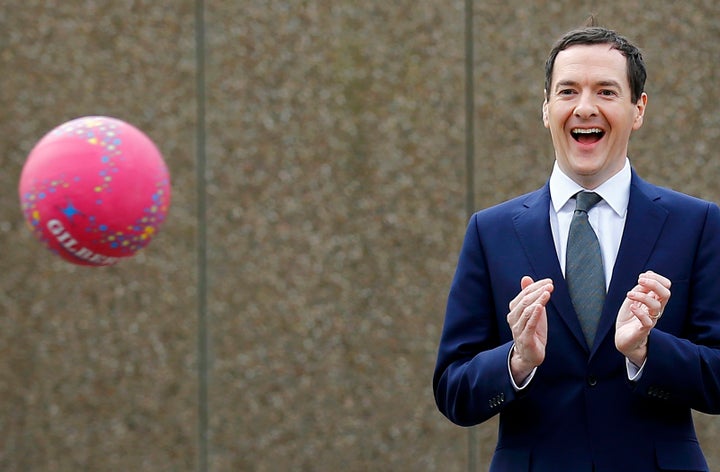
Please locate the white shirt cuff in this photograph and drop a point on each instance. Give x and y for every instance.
(525, 382)
(634, 372)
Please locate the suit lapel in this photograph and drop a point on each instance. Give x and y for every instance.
(532, 225)
(645, 218)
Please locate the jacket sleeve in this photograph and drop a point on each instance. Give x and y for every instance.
(683, 363)
(471, 382)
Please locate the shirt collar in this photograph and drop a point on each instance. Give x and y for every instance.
(615, 191)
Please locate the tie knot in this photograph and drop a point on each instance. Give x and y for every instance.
(586, 200)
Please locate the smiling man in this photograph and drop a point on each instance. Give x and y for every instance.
(591, 109)
(587, 313)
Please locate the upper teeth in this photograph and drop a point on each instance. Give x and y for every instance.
(587, 131)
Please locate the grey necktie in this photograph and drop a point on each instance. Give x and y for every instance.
(583, 267)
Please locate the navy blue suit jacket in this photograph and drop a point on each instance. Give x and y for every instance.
(580, 412)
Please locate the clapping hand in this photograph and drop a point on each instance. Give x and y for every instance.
(528, 321)
(639, 313)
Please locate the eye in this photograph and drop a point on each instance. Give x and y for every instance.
(566, 92)
(608, 93)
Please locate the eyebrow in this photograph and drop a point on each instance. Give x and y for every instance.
(602, 83)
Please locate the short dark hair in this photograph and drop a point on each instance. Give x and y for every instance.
(598, 35)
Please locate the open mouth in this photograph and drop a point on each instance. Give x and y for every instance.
(587, 135)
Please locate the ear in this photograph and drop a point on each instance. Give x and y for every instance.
(640, 111)
(546, 121)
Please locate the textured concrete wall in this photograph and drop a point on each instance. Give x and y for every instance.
(335, 171)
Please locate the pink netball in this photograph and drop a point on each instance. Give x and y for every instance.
(95, 190)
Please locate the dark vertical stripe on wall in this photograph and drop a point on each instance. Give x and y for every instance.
(470, 170)
(201, 164)
(469, 110)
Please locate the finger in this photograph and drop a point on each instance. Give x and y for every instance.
(520, 310)
(664, 281)
(525, 282)
(530, 292)
(517, 323)
(521, 333)
(655, 286)
(533, 312)
(652, 303)
(519, 319)
(646, 308)
(524, 331)
(640, 312)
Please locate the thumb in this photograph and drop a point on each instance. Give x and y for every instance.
(525, 282)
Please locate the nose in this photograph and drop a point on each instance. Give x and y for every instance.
(586, 107)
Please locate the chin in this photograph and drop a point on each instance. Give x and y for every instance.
(586, 175)
(586, 170)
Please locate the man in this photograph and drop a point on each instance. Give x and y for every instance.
(578, 389)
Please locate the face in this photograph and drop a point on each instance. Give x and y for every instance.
(590, 114)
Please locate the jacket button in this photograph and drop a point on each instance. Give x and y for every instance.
(592, 381)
